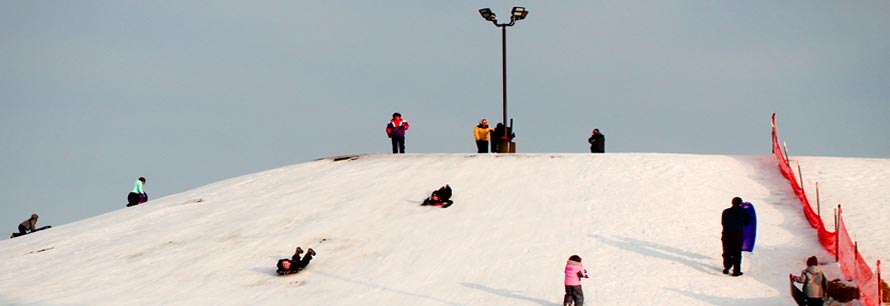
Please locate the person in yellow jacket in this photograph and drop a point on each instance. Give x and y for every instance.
(482, 132)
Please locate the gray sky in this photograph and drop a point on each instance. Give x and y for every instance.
(97, 93)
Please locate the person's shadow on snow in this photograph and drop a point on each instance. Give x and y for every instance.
(509, 294)
(265, 270)
(647, 248)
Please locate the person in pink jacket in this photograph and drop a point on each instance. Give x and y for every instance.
(574, 272)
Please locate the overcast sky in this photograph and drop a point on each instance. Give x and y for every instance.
(94, 94)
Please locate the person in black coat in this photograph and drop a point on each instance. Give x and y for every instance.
(597, 142)
(295, 264)
(500, 135)
(440, 197)
(733, 220)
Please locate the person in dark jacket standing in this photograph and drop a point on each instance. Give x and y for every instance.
(733, 220)
(395, 130)
(500, 136)
(597, 142)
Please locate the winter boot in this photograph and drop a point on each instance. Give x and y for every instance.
(311, 252)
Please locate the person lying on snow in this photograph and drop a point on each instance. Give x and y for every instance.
(295, 264)
(440, 197)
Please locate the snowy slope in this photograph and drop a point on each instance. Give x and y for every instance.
(647, 226)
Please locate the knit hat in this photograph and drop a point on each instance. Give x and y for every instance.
(736, 201)
(812, 261)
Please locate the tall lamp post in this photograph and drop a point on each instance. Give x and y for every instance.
(518, 13)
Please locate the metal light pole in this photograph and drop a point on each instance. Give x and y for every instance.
(517, 14)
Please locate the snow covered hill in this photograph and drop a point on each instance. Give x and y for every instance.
(646, 225)
(862, 187)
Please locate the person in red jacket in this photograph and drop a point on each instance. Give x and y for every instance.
(395, 130)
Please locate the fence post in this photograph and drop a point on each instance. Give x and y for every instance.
(880, 289)
(837, 233)
(800, 173)
(818, 205)
(785, 144)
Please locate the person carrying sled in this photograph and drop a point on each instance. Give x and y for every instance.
(295, 263)
(440, 197)
(574, 272)
(733, 220)
(814, 282)
(395, 130)
(482, 132)
(137, 194)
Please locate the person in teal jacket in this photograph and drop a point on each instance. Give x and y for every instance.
(137, 194)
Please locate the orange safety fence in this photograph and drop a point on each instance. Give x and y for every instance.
(852, 265)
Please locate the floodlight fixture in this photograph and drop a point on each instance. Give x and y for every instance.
(487, 14)
(519, 13)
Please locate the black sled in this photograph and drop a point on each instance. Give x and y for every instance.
(20, 234)
(797, 294)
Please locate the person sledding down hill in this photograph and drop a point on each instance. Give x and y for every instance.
(295, 264)
(440, 197)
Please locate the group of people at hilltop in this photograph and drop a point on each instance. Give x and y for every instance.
(498, 136)
(486, 137)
